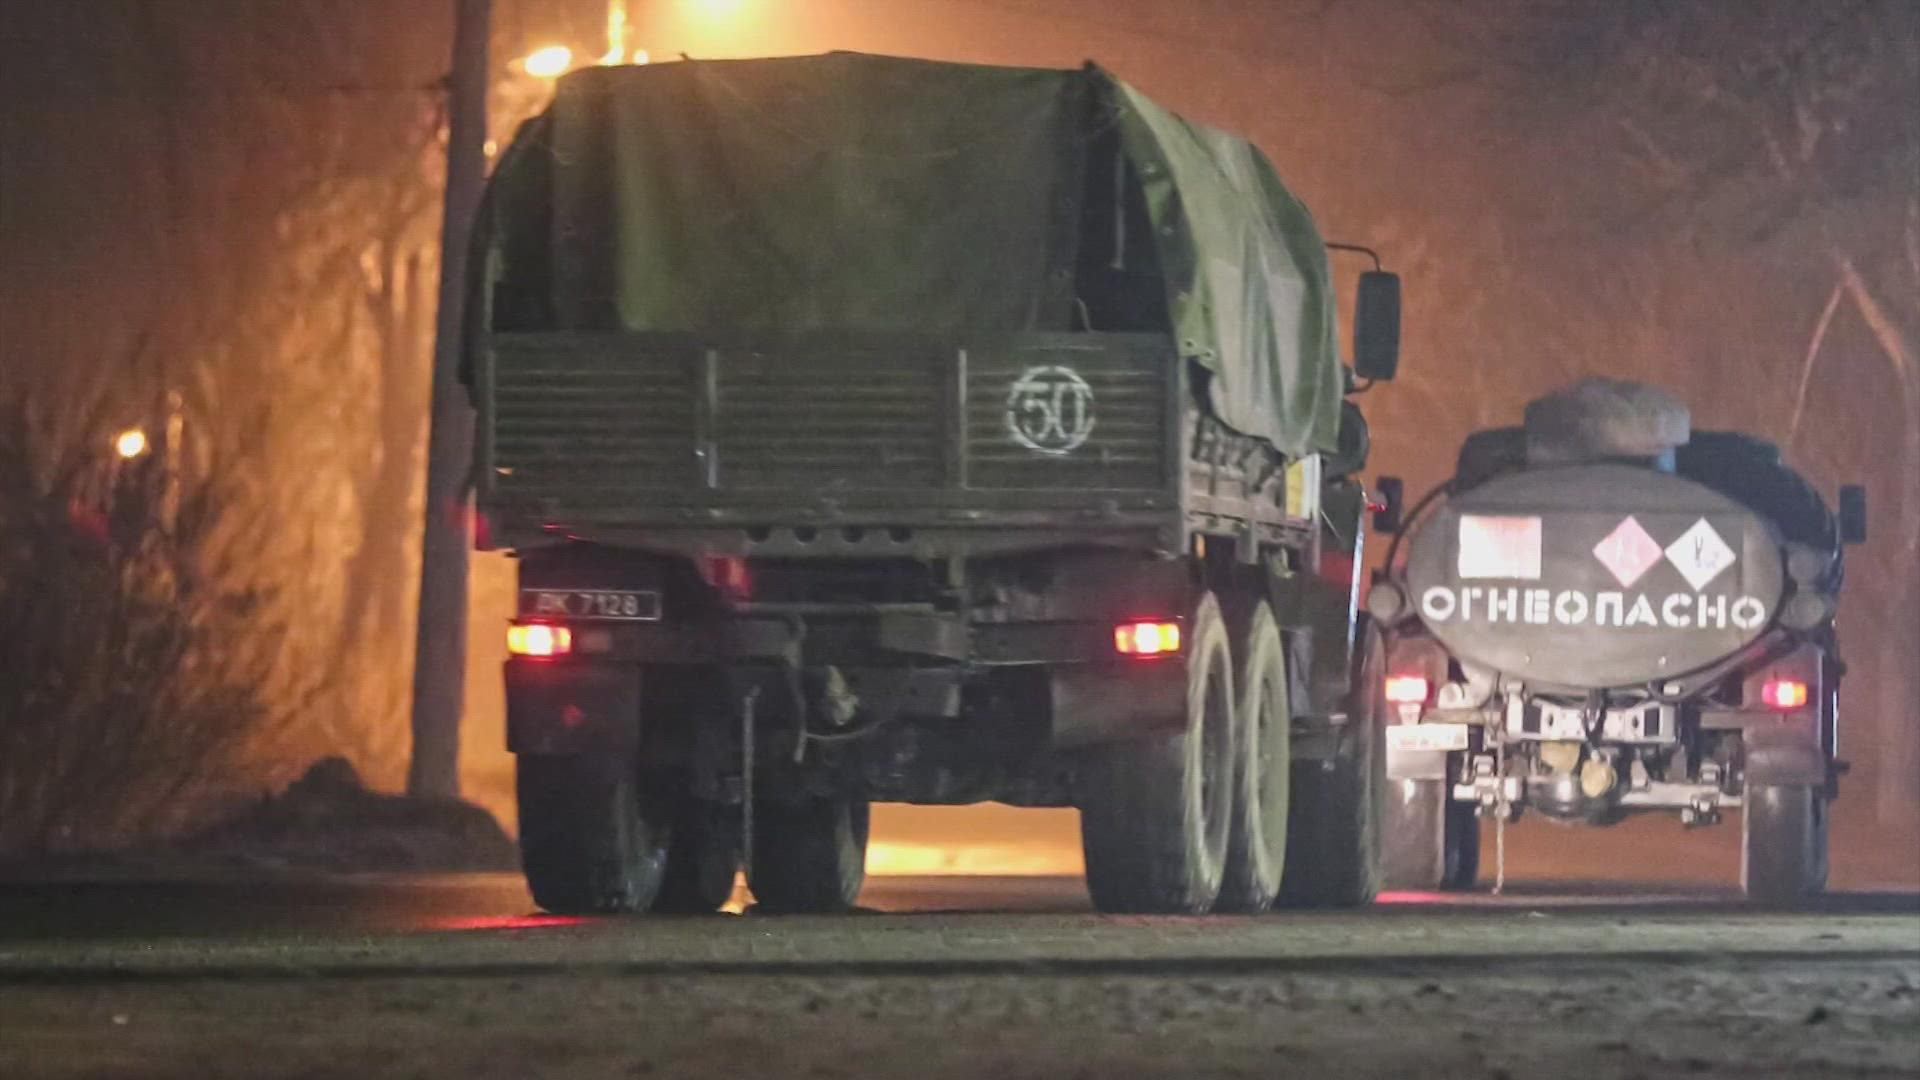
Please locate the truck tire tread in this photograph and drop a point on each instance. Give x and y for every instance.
(1153, 823)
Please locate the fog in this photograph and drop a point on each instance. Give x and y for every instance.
(233, 207)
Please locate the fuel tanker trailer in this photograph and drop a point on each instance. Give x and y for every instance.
(1604, 613)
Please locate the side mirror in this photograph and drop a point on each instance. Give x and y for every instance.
(1853, 514)
(1388, 503)
(1376, 326)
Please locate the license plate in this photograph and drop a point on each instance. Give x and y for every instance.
(1427, 736)
(625, 605)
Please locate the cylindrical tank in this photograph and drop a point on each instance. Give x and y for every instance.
(1595, 576)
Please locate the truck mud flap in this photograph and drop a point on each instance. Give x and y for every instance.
(1092, 704)
(1783, 756)
(572, 709)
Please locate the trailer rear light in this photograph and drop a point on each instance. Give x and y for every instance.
(1146, 638)
(1784, 694)
(1408, 689)
(539, 640)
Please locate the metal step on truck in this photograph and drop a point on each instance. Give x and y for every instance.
(1605, 613)
(871, 429)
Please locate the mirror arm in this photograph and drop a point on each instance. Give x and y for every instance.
(1358, 248)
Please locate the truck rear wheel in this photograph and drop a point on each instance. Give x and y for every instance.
(1783, 835)
(1257, 837)
(1333, 831)
(590, 841)
(702, 860)
(1427, 841)
(809, 857)
(1155, 811)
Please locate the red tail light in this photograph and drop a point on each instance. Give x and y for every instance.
(1784, 694)
(1407, 689)
(539, 640)
(1146, 638)
(729, 574)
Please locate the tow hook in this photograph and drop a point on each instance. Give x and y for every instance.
(1701, 812)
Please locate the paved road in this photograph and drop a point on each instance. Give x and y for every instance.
(946, 977)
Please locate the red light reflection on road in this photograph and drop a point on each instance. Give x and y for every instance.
(505, 922)
(1410, 897)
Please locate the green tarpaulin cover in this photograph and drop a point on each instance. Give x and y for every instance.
(861, 193)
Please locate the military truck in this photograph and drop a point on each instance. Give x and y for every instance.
(1604, 612)
(871, 429)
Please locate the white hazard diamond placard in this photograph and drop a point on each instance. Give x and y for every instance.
(1700, 555)
(1628, 552)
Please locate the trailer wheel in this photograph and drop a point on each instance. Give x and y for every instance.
(809, 857)
(1427, 841)
(591, 841)
(701, 861)
(1783, 834)
(1333, 832)
(1257, 837)
(1155, 811)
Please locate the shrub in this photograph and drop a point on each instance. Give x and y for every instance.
(132, 658)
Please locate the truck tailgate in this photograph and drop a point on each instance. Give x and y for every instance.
(583, 430)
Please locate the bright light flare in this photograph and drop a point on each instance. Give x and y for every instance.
(130, 443)
(1146, 638)
(717, 9)
(539, 640)
(616, 33)
(548, 63)
(1784, 694)
(1407, 689)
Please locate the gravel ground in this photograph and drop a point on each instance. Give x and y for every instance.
(1580, 1018)
(1553, 993)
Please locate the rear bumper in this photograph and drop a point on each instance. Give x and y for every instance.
(1062, 680)
(808, 638)
(563, 707)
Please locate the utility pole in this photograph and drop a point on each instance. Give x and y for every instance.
(440, 644)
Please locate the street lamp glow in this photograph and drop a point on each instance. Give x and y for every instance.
(130, 443)
(616, 33)
(548, 63)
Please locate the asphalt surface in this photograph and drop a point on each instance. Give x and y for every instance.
(459, 975)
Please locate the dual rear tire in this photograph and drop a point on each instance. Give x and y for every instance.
(1217, 816)
(592, 841)
(1257, 835)
(809, 857)
(1333, 835)
(1783, 843)
(1155, 811)
(597, 838)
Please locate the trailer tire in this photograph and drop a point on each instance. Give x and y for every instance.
(1427, 841)
(1783, 843)
(591, 840)
(809, 857)
(1257, 837)
(1155, 811)
(702, 860)
(1333, 830)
